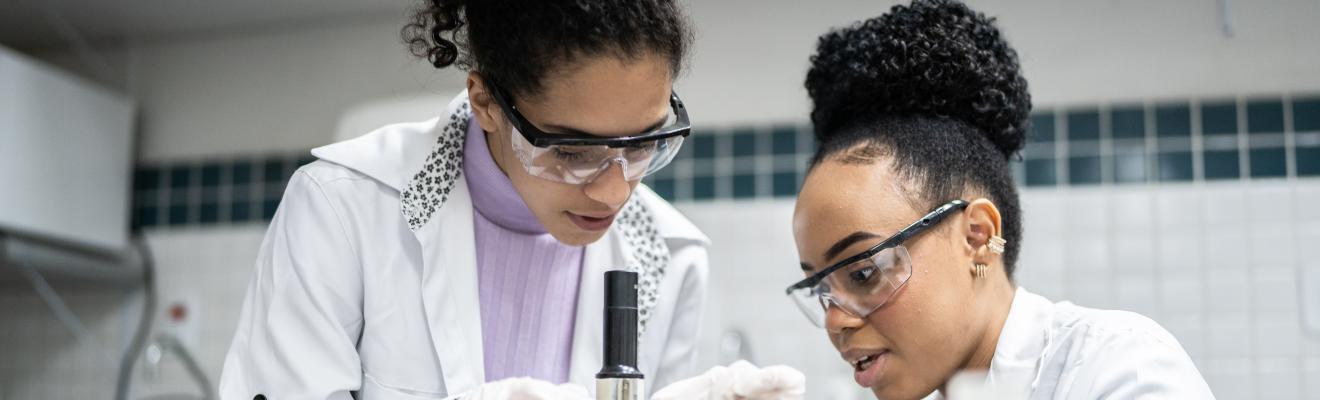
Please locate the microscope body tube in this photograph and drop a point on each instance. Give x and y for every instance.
(619, 378)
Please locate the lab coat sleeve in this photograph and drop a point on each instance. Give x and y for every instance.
(1144, 364)
(302, 316)
(679, 358)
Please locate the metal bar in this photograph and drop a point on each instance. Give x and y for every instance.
(53, 301)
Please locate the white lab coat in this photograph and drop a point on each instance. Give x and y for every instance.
(1062, 351)
(352, 297)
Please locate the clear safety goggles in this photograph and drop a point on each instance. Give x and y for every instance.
(864, 282)
(577, 158)
(859, 288)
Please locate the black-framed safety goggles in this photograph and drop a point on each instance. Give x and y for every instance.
(676, 124)
(870, 278)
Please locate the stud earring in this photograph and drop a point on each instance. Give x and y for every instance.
(996, 244)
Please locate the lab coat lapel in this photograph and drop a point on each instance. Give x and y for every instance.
(450, 293)
(1023, 340)
(437, 206)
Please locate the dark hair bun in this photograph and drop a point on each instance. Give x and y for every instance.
(933, 57)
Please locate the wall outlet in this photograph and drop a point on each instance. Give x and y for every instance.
(181, 317)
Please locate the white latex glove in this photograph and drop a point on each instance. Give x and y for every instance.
(527, 389)
(739, 381)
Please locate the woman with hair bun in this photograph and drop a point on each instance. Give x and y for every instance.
(464, 256)
(908, 225)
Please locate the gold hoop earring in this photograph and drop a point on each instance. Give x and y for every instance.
(978, 270)
(996, 244)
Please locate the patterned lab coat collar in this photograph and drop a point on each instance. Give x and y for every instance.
(430, 187)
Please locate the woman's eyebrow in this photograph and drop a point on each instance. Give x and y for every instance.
(847, 241)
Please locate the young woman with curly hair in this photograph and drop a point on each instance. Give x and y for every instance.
(908, 224)
(436, 259)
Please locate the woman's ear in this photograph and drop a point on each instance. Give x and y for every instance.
(483, 105)
(982, 222)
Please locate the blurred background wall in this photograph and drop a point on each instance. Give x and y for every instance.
(1173, 171)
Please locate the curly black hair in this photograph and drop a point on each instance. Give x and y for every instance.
(935, 87)
(517, 43)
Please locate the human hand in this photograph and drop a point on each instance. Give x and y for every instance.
(739, 381)
(527, 389)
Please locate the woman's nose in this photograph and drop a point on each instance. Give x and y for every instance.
(609, 187)
(838, 321)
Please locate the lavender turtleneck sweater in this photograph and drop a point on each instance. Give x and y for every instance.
(527, 281)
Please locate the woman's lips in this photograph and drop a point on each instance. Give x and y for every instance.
(592, 224)
(868, 369)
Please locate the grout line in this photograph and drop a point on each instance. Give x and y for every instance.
(1244, 145)
(1289, 140)
(1198, 156)
(1107, 153)
(764, 170)
(1061, 170)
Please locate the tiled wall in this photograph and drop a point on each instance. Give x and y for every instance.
(206, 269)
(212, 192)
(1175, 141)
(1224, 266)
(1176, 210)
(1154, 142)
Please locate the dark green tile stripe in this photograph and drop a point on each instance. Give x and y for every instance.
(1219, 123)
(1075, 146)
(212, 192)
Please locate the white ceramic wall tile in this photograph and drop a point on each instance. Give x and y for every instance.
(1133, 249)
(1270, 203)
(1231, 377)
(1182, 293)
(1177, 207)
(1309, 298)
(1310, 372)
(1045, 212)
(1087, 251)
(1132, 209)
(1278, 378)
(1276, 290)
(1137, 293)
(1179, 249)
(1305, 197)
(1040, 253)
(1048, 283)
(1223, 207)
(1225, 248)
(1310, 343)
(1308, 236)
(1270, 245)
(1189, 330)
(1090, 288)
(1277, 334)
(1087, 211)
(1230, 334)
(1228, 290)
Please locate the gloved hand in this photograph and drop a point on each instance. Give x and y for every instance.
(739, 381)
(527, 389)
